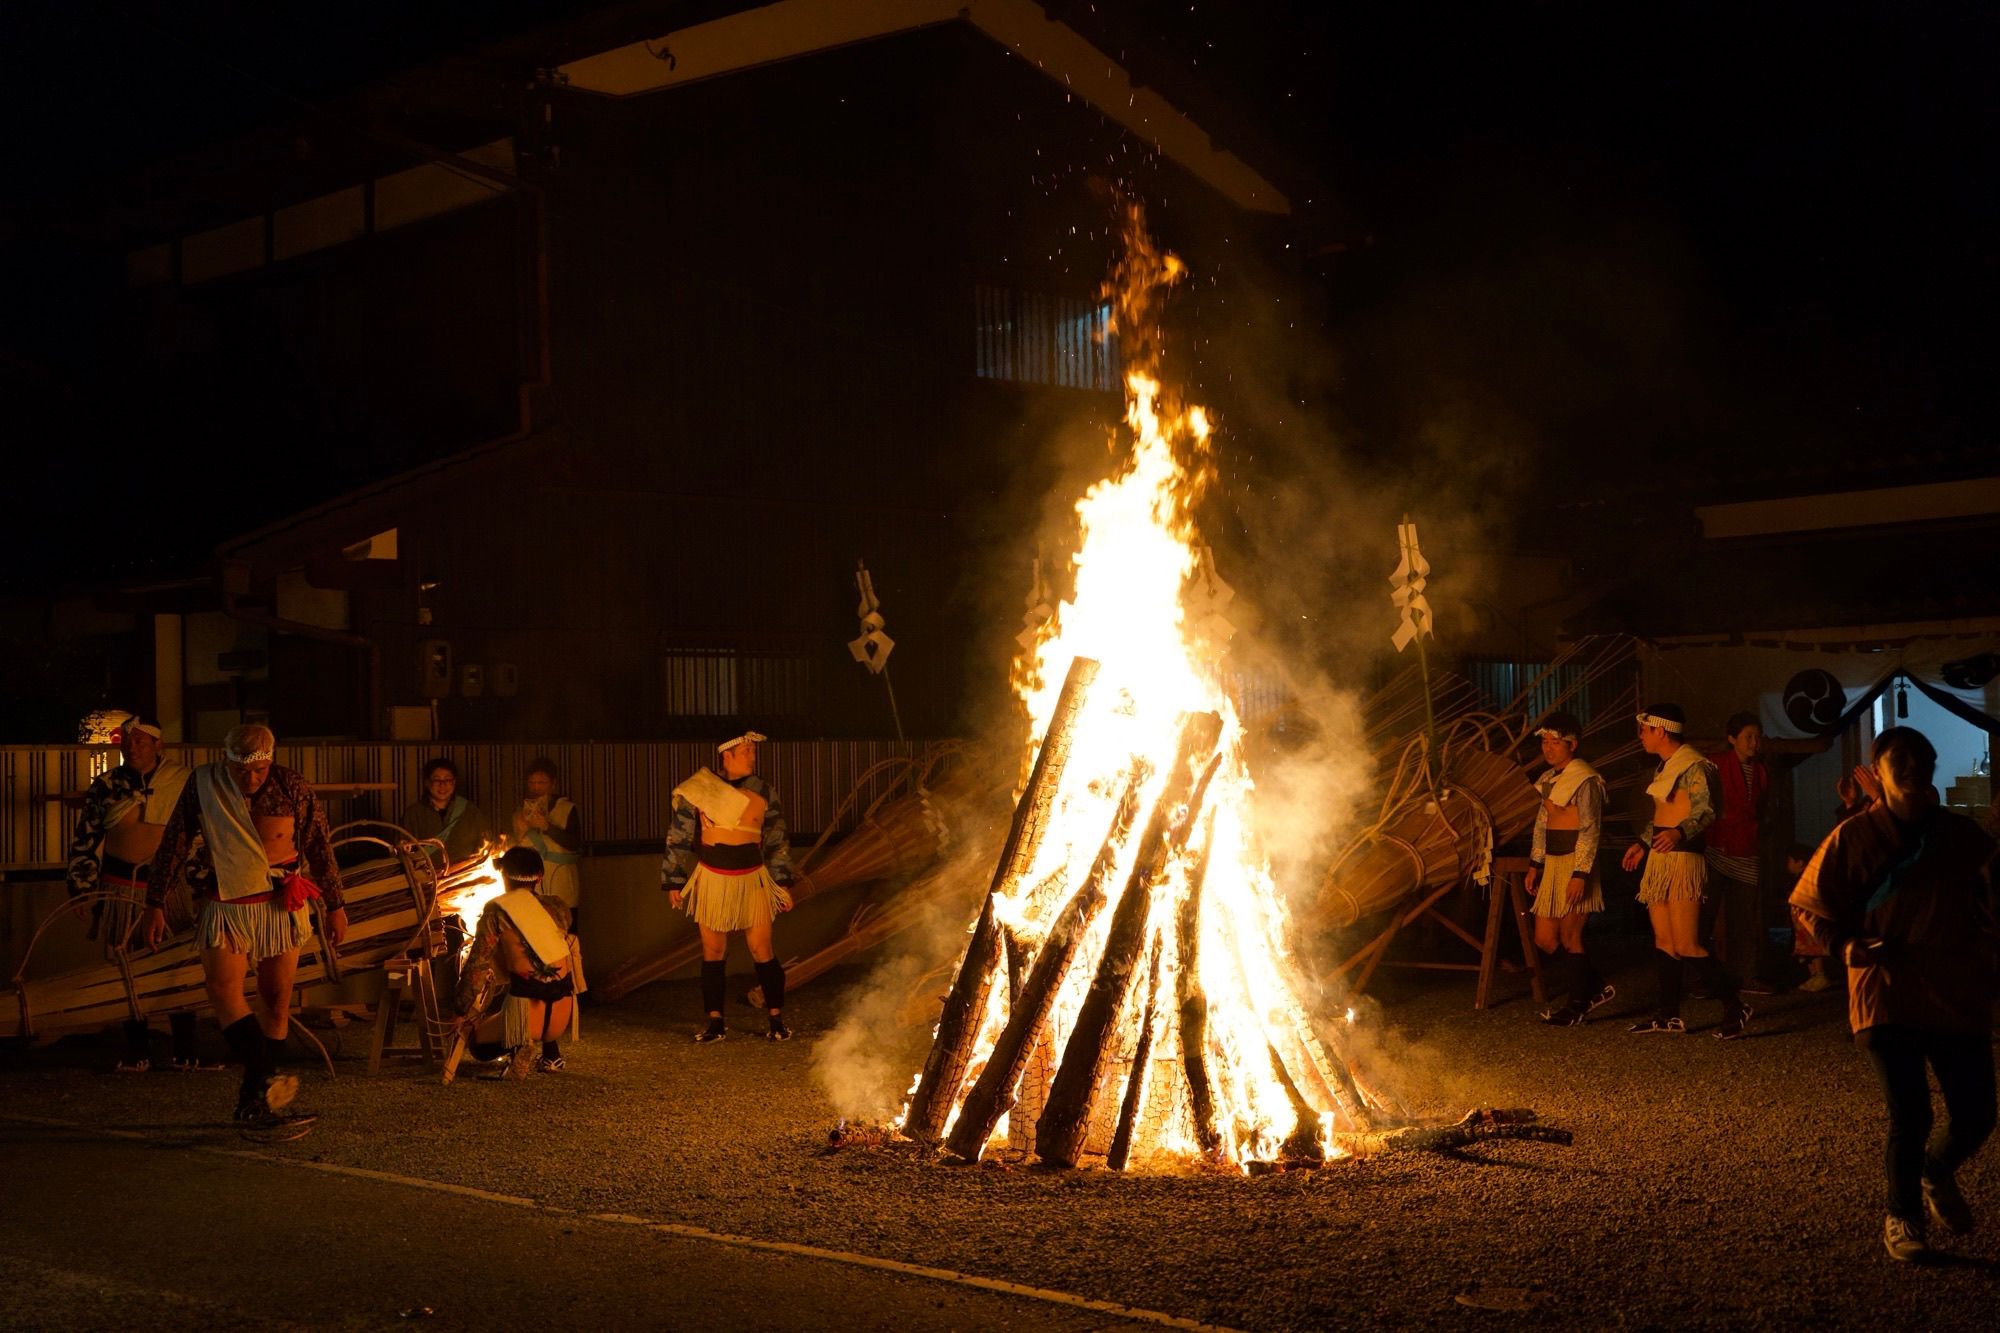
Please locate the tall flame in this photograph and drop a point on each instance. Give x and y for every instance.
(1136, 558)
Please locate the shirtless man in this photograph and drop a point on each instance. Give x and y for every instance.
(729, 866)
(124, 813)
(261, 826)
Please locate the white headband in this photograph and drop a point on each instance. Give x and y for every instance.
(146, 727)
(254, 757)
(729, 745)
(1666, 724)
(1559, 735)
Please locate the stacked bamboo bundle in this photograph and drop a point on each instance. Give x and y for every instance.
(1428, 840)
(390, 905)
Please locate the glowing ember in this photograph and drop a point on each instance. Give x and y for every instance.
(1208, 1051)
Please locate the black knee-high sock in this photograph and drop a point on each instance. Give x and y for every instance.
(138, 1045)
(252, 1050)
(1555, 971)
(182, 1026)
(771, 976)
(1713, 977)
(1668, 970)
(714, 989)
(1586, 980)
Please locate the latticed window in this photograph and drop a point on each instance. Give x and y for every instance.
(728, 682)
(1034, 338)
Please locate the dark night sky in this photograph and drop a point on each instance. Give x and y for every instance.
(1761, 235)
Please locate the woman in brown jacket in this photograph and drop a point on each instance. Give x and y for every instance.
(1902, 894)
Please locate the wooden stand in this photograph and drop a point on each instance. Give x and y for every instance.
(412, 977)
(1508, 888)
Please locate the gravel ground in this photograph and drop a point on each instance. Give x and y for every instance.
(1711, 1184)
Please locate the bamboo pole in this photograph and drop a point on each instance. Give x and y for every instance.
(965, 1007)
(993, 1091)
(1065, 1119)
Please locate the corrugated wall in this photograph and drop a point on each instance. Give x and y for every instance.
(622, 787)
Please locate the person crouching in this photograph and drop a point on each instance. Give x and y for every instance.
(517, 989)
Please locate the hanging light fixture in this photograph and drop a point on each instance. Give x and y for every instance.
(1903, 697)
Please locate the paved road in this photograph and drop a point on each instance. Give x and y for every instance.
(101, 1233)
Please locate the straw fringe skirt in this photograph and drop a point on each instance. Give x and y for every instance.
(1552, 890)
(733, 902)
(1673, 877)
(261, 930)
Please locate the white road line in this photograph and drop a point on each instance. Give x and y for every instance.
(1134, 1313)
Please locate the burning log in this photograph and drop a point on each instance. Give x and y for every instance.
(965, 1007)
(993, 1091)
(1059, 1133)
(1478, 1125)
(1135, 1086)
(1194, 1003)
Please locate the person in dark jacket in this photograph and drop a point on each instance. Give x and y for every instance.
(1902, 893)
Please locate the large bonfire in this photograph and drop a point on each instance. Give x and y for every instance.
(1127, 990)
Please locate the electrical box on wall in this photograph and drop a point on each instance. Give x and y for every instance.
(407, 723)
(471, 680)
(506, 679)
(434, 668)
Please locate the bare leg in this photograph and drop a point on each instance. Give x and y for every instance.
(1683, 927)
(274, 988)
(1548, 932)
(223, 971)
(715, 944)
(1663, 929)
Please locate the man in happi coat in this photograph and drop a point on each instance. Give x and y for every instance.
(124, 813)
(1569, 825)
(729, 866)
(518, 986)
(1682, 801)
(264, 854)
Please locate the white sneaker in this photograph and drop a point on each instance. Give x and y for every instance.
(1904, 1240)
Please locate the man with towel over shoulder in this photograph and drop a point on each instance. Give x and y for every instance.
(265, 853)
(1682, 798)
(729, 866)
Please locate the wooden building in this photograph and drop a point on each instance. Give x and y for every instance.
(586, 411)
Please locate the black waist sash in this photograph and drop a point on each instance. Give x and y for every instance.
(736, 856)
(125, 872)
(531, 988)
(1559, 841)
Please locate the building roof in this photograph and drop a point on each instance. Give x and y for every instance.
(789, 29)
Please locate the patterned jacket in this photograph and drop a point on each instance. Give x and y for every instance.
(284, 792)
(684, 836)
(111, 796)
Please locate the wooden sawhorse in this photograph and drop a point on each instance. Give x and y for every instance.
(406, 977)
(1508, 889)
